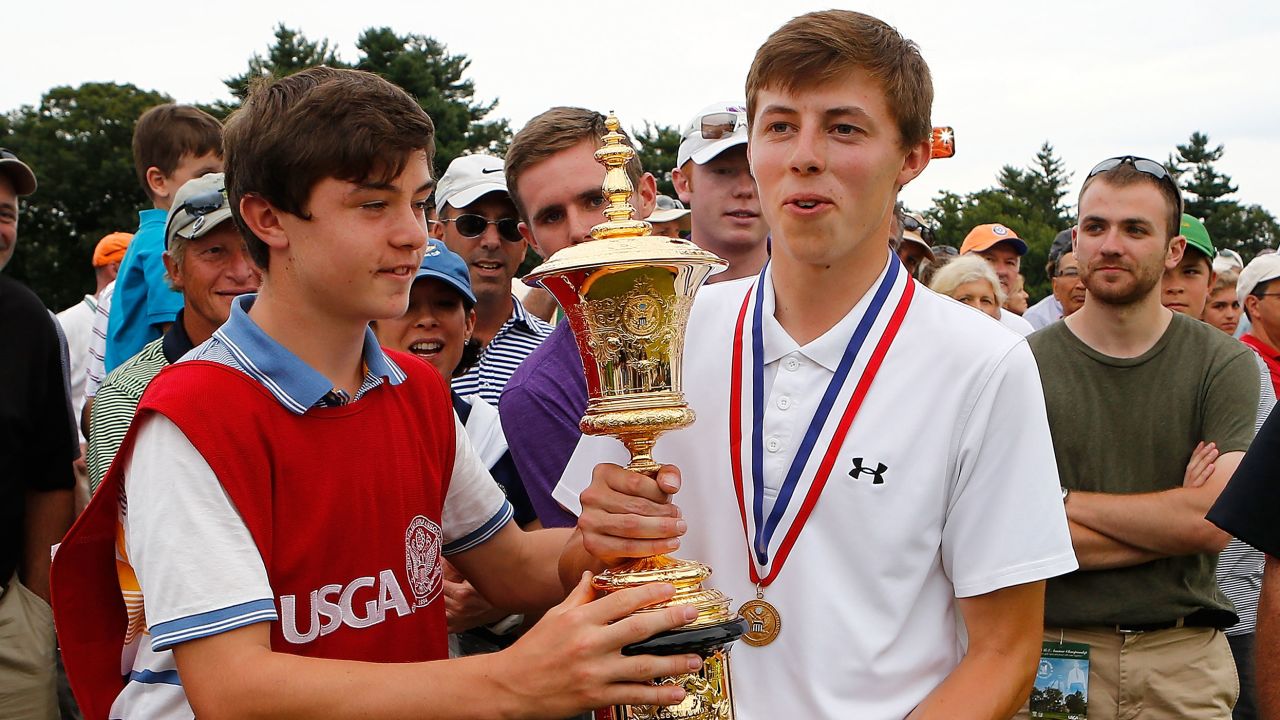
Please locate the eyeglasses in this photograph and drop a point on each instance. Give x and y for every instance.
(718, 125)
(910, 224)
(1068, 273)
(1142, 165)
(198, 207)
(473, 226)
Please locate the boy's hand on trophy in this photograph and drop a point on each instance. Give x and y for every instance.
(571, 660)
(627, 515)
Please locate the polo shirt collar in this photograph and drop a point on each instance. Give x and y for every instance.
(1263, 349)
(518, 313)
(284, 372)
(152, 217)
(176, 342)
(828, 349)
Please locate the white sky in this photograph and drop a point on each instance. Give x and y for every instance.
(1094, 78)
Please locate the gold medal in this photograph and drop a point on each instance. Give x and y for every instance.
(763, 621)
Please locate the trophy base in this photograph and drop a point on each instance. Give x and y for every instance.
(707, 692)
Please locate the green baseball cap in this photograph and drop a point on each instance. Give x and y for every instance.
(1197, 237)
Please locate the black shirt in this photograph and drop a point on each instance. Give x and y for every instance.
(1249, 507)
(37, 440)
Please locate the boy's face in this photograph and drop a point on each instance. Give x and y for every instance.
(190, 167)
(1185, 288)
(1223, 310)
(721, 195)
(829, 162)
(563, 199)
(355, 258)
(215, 269)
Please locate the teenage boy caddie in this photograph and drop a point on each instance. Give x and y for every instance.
(287, 492)
(804, 485)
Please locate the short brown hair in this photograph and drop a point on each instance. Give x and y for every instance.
(555, 130)
(1124, 175)
(818, 47)
(320, 123)
(166, 133)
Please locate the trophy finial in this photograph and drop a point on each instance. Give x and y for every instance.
(614, 154)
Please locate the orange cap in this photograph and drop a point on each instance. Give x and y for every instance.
(985, 237)
(111, 249)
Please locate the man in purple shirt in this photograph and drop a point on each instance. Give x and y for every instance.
(554, 179)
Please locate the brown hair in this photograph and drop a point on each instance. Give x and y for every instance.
(320, 123)
(1224, 280)
(555, 130)
(818, 47)
(1124, 175)
(166, 133)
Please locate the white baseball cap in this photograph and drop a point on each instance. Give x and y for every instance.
(470, 178)
(1262, 268)
(713, 130)
(669, 209)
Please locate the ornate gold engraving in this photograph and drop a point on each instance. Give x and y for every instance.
(707, 694)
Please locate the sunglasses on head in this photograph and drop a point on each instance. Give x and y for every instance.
(6, 154)
(199, 206)
(718, 125)
(945, 251)
(473, 226)
(910, 224)
(1142, 165)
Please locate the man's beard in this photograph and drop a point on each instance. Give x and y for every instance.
(1132, 288)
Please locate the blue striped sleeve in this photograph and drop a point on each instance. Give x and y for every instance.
(482, 533)
(167, 634)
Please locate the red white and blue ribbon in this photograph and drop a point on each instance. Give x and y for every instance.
(770, 537)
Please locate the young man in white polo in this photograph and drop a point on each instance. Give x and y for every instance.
(712, 177)
(804, 483)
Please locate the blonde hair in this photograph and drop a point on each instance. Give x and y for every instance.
(962, 270)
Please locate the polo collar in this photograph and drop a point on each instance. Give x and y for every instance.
(826, 350)
(297, 385)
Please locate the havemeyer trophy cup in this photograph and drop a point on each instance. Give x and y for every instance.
(626, 296)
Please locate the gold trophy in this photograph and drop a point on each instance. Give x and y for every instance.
(626, 295)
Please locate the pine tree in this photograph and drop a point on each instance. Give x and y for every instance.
(658, 148)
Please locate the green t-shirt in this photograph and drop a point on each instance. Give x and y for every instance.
(1129, 425)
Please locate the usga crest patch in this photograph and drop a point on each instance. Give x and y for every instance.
(422, 560)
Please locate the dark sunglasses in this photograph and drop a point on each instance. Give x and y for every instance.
(1142, 165)
(910, 224)
(473, 226)
(198, 207)
(715, 126)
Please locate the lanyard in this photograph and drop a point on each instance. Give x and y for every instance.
(766, 528)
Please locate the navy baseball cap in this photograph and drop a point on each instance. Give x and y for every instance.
(441, 263)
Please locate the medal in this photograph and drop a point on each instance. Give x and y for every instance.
(763, 619)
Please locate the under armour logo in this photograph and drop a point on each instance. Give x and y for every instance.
(878, 472)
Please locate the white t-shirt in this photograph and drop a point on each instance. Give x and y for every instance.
(179, 522)
(1016, 323)
(968, 502)
(77, 325)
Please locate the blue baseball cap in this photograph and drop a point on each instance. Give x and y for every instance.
(441, 263)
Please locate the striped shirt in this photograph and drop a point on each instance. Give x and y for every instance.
(115, 405)
(95, 368)
(519, 336)
(1239, 565)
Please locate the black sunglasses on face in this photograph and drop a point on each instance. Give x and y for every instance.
(1142, 165)
(473, 226)
(910, 224)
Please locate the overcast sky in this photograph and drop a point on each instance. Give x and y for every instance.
(1096, 79)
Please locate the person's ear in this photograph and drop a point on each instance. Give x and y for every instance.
(1173, 256)
(157, 183)
(263, 220)
(916, 160)
(645, 198)
(173, 270)
(470, 323)
(527, 234)
(683, 181)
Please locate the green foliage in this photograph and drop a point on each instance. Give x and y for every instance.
(659, 146)
(78, 143)
(1245, 229)
(291, 52)
(1030, 201)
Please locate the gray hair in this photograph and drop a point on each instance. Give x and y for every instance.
(966, 269)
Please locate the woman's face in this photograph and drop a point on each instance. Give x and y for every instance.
(435, 327)
(979, 294)
(1223, 310)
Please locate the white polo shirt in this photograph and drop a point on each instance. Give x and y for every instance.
(1016, 322)
(968, 502)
